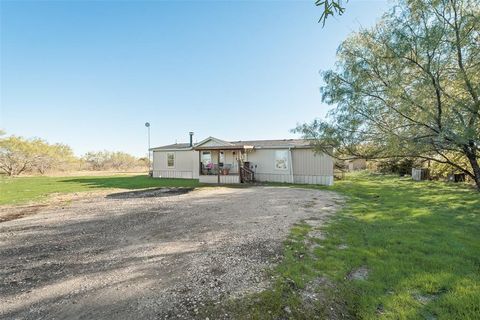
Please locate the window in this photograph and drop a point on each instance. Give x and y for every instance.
(221, 162)
(281, 160)
(206, 157)
(170, 159)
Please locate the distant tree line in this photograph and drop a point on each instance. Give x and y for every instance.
(107, 160)
(19, 155)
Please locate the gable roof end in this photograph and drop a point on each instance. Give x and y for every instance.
(215, 140)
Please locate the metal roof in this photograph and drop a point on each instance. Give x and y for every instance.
(287, 143)
(258, 144)
(175, 146)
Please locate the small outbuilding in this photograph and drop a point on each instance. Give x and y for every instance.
(356, 164)
(213, 160)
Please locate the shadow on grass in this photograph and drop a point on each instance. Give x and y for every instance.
(132, 182)
(149, 193)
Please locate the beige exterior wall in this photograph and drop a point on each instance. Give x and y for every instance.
(304, 166)
(264, 160)
(312, 168)
(307, 162)
(185, 164)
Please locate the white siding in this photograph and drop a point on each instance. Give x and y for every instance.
(308, 167)
(173, 174)
(324, 180)
(312, 168)
(264, 160)
(230, 179)
(308, 163)
(185, 167)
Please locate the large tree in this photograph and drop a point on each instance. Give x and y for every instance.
(19, 155)
(409, 87)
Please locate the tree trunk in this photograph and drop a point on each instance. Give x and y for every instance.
(472, 158)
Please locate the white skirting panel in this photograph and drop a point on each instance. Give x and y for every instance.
(208, 179)
(323, 180)
(229, 179)
(172, 174)
(272, 177)
(302, 179)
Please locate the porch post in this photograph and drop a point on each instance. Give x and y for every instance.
(239, 163)
(199, 163)
(218, 166)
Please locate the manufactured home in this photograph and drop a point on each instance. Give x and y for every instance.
(227, 162)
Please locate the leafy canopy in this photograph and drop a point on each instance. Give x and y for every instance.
(409, 87)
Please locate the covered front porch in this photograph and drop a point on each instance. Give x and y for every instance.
(222, 162)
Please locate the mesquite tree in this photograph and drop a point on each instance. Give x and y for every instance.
(408, 87)
(19, 155)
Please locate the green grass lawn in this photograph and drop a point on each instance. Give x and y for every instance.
(25, 189)
(419, 241)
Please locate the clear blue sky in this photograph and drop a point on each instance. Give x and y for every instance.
(90, 73)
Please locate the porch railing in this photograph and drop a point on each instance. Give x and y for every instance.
(215, 169)
(246, 175)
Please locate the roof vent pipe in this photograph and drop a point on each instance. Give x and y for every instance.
(191, 139)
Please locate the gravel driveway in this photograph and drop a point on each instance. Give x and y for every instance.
(148, 255)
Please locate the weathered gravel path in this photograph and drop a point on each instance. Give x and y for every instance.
(148, 255)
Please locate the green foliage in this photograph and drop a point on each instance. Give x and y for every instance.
(52, 156)
(15, 155)
(409, 87)
(401, 166)
(442, 170)
(330, 8)
(418, 241)
(15, 190)
(19, 155)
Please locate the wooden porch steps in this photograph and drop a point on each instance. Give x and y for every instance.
(246, 175)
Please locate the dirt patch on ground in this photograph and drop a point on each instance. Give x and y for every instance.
(12, 213)
(150, 193)
(54, 200)
(358, 274)
(147, 257)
